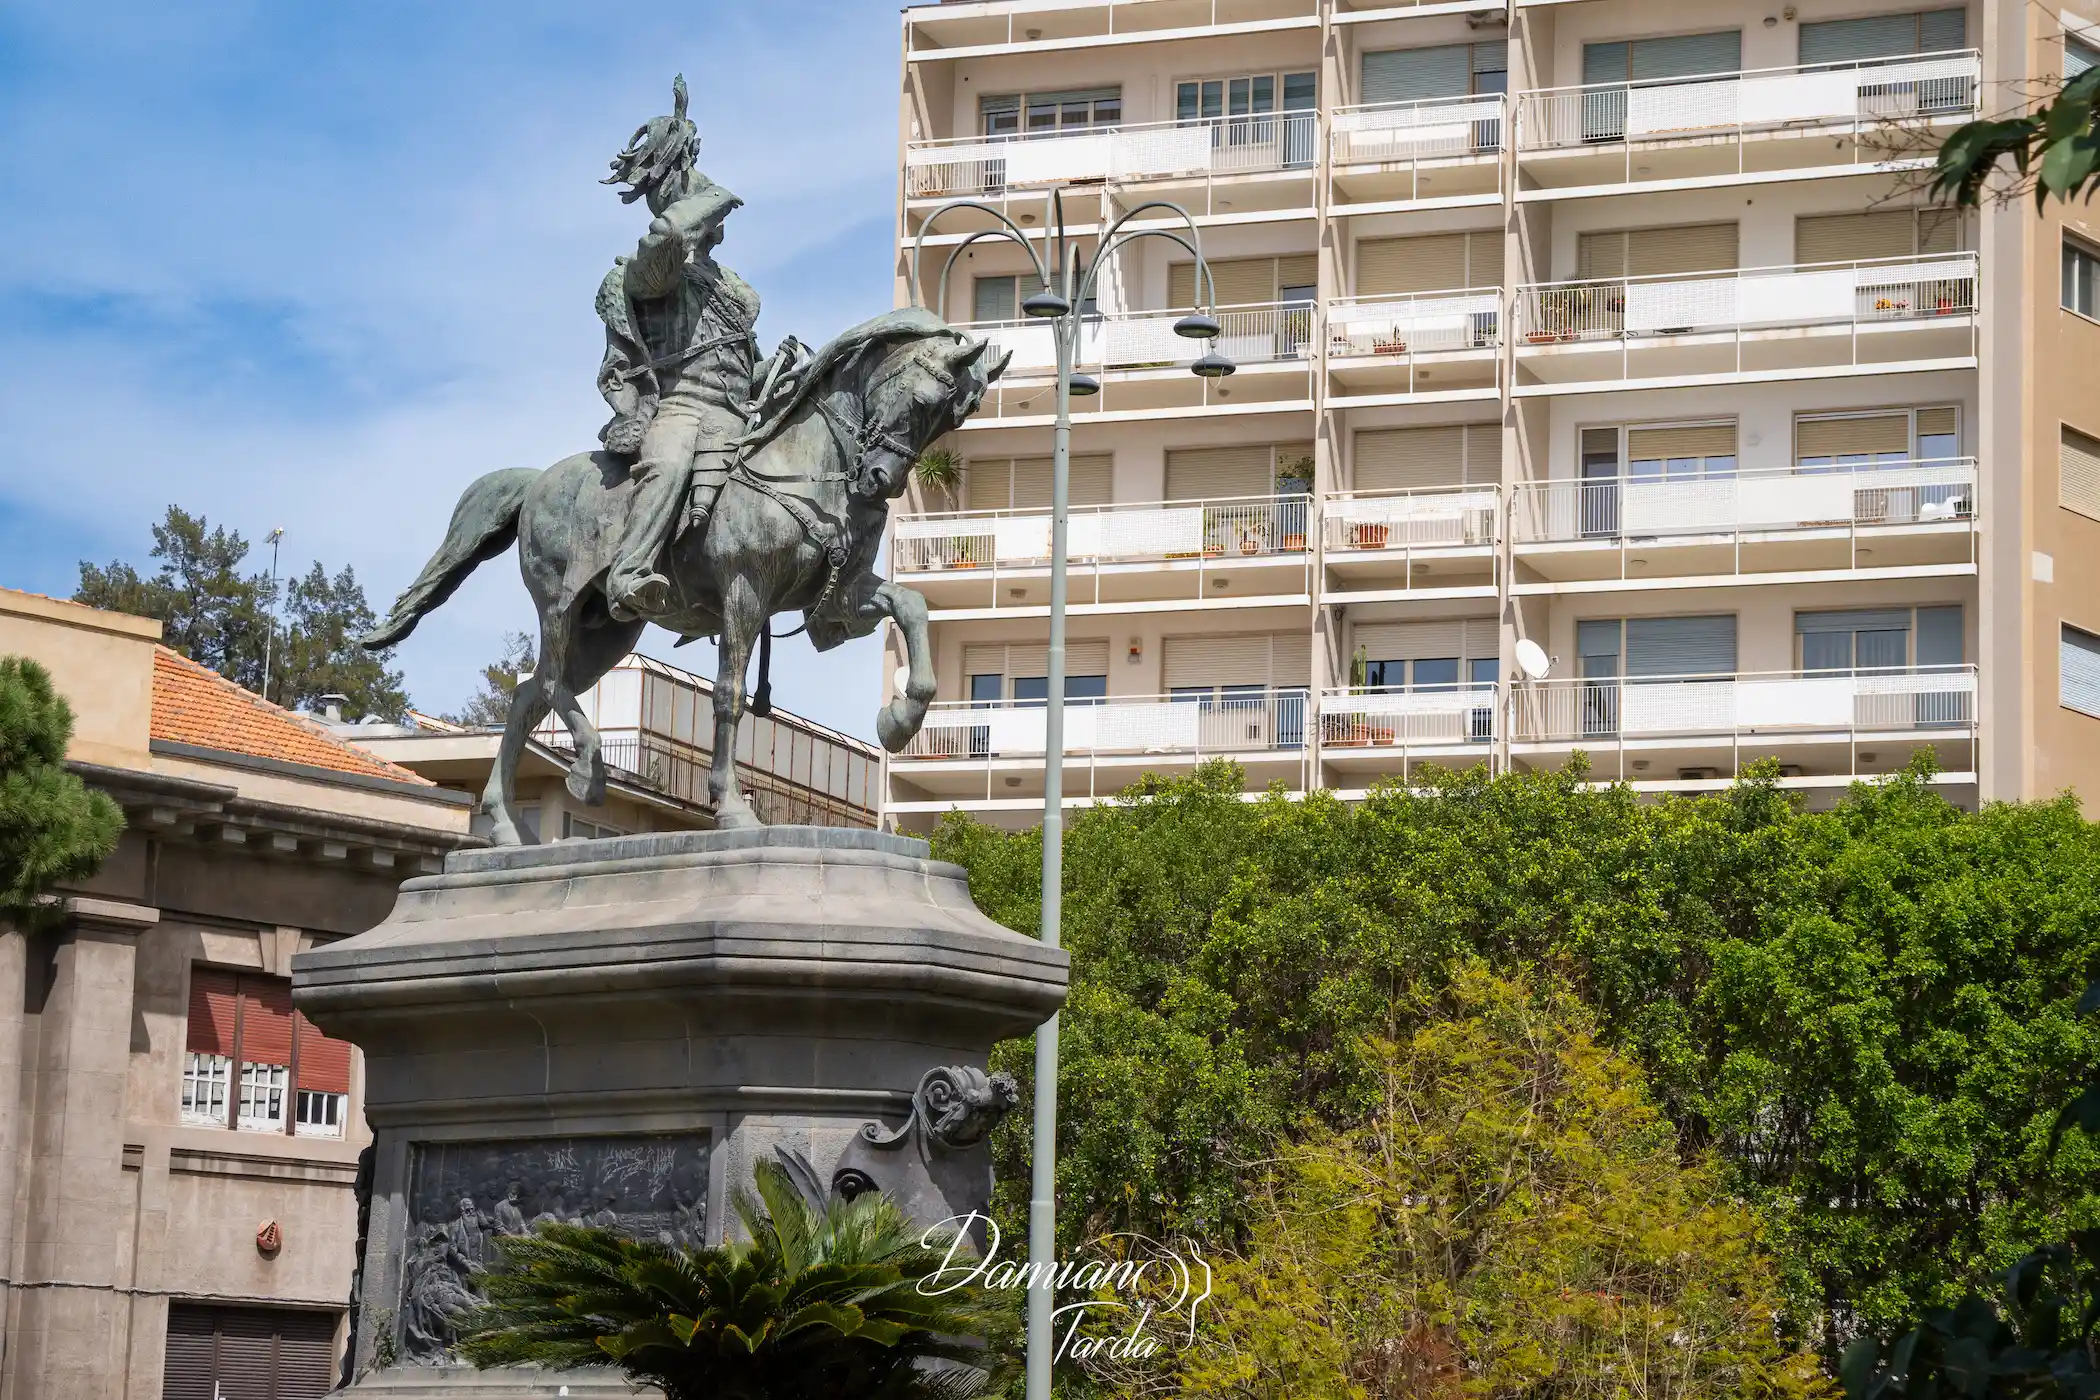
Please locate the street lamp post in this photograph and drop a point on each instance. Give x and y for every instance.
(1068, 282)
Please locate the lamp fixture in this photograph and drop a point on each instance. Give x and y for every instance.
(1213, 366)
(1045, 304)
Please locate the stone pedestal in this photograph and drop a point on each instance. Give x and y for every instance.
(619, 1030)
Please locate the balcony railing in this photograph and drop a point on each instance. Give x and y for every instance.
(1462, 714)
(1748, 299)
(1190, 725)
(1415, 323)
(1824, 95)
(1232, 527)
(1194, 149)
(1135, 340)
(1897, 493)
(1749, 704)
(1434, 128)
(1434, 517)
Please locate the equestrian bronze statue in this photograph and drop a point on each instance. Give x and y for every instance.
(728, 488)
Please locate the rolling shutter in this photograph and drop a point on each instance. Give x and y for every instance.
(1859, 435)
(1656, 252)
(1026, 660)
(1939, 422)
(324, 1062)
(217, 1353)
(1439, 262)
(1853, 620)
(1672, 56)
(1880, 233)
(1469, 639)
(1664, 444)
(1280, 659)
(1083, 658)
(1298, 270)
(1883, 36)
(2078, 468)
(984, 659)
(1939, 636)
(1413, 75)
(1680, 646)
(266, 1021)
(1483, 452)
(1395, 459)
(2078, 670)
(1214, 473)
(1939, 230)
(214, 1007)
(1240, 282)
(1024, 484)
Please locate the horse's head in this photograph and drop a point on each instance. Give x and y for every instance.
(941, 384)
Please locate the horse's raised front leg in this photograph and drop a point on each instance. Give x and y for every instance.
(898, 722)
(743, 614)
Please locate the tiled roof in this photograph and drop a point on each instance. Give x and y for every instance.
(193, 704)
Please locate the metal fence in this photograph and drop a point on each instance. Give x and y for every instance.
(1196, 148)
(1245, 526)
(1746, 704)
(1895, 493)
(1191, 723)
(1459, 714)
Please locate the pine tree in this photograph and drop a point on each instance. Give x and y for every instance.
(52, 828)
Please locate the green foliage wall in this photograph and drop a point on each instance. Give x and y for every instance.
(1869, 1015)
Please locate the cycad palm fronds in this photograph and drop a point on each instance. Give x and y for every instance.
(813, 1303)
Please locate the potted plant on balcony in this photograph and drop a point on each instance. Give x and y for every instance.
(1294, 477)
(1369, 534)
(963, 551)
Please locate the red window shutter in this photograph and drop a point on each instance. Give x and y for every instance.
(266, 1021)
(324, 1062)
(212, 1000)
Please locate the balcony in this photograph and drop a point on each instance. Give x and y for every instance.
(1033, 26)
(1704, 728)
(1367, 735)
(1267, 159)
(1743, 126)
(994, 753)
(1414, 346)
(1143, 364)
(1907, 517)
(1430, 545)
(1229, 551)
(1800, 322)
(1439, 151)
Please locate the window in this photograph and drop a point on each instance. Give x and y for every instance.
(269, 1353)
(2078, 473)
(2078, 671)
(2081, 273)
(1876, 233)
(1883, 36)
(1879, 639)
(1614, 652)
(1035, 690)
(1887, 437)
(248, 1053)
(1019, 672)
(2079, 54)
(1270, 113)
(1051, 113)
(998, 297)
(1650, 455)
(573, 828)
(1451, 70)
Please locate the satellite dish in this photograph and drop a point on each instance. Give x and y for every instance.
(1532, 660)
(903, 678)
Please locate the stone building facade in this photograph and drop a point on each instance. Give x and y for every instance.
(178, 1149)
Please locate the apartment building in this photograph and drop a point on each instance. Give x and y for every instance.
(1617, 328)
(179, 1148)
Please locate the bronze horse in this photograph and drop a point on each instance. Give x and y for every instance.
(797, 528)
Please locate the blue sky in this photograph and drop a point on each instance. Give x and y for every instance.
(320, 266)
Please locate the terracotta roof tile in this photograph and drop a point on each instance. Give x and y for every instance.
(193, 704)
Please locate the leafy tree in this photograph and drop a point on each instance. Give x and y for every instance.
(818, 1300)
(52, 828)
(219, 617)
(490, 706)
(1512, 1219)
(2054, 149)
(1864, 1012)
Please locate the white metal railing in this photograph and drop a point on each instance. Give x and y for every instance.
(1809, 294)
(1353, 521)
(1459, 714)
(1870, 90)
(1413, 323)
(1751, 703)
(1129, 340)
(1434, 128)
(1233, 526)
(1208, 146)
(1225, 721)
(1896, 493)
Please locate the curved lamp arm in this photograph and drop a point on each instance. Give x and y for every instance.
(1194, 242)
(957, 251)
(918, 245)
(1203, 273)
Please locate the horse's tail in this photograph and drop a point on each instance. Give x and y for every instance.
(484, 524)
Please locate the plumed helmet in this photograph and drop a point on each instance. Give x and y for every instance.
(659, 148)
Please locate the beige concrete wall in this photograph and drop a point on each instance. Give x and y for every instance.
(102, 662)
